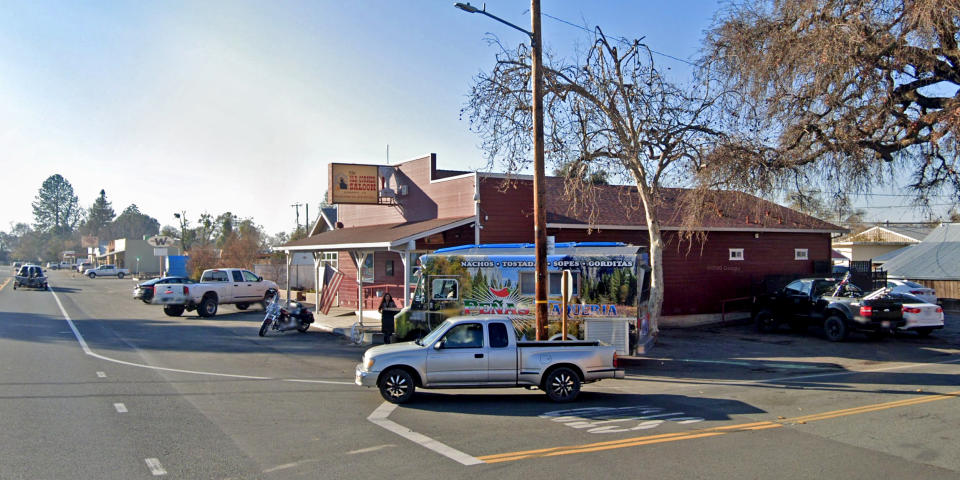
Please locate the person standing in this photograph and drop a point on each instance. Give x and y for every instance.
(387, 309)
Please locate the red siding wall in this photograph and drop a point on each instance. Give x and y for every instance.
(506, 211)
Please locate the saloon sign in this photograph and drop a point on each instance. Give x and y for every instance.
(351, 183)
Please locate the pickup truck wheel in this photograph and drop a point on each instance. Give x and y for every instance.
(120, 275)
(208, 307)
(562, 385)
(396, 385)
(765, 322)
(304, 326)
(834, 328)
(242, 306)
(173, 310)
(92, 275)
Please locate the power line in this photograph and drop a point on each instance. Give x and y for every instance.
(622, 39)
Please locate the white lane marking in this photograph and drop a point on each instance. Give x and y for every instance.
(121, 408)
(88, 351)
(379, 417)
(155, 468)
(370, 449)
(290, 465)
(102, 374)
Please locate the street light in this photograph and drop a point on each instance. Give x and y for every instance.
(539, 216)
(183, 232)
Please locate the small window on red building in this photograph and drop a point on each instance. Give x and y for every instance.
(389, 268)
(736, 254)
(800, 254)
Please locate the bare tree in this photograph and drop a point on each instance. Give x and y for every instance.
(611, 112)
(848, 93)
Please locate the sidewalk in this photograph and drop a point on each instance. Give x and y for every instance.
(339, 320)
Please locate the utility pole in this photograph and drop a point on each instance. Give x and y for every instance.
(539, 213)
(297, 207)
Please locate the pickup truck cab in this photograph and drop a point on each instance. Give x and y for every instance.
(216, 286)
(839, 308)
(106, 271)
(483, 352)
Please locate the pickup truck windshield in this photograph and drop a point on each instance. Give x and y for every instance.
(435, 334)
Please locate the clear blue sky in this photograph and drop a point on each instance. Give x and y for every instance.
(233, 105)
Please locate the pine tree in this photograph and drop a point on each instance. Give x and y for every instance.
(99, 216)
(55, 208)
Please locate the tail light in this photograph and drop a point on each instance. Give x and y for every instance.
(907, 309)
(186, 290)
(917, 292)
(616, 360)
(866, 311)
(939, 309)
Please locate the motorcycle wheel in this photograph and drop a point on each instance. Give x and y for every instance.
(303, 327)
(264, 327)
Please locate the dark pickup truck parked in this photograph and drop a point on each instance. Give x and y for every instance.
(829, 303)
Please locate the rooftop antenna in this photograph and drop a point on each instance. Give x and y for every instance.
(388, 154)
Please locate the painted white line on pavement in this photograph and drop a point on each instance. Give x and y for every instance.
(155, 468)
(121, 408)
(379, 417)
(370, 449)
(88, 351)
(101, 374)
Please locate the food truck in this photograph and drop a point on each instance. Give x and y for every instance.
(608, 302)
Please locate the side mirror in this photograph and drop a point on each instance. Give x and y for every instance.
(438, 345)
(259, 278)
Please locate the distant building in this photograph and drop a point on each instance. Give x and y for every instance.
(934, 262)
(880, 240)
(134, 254)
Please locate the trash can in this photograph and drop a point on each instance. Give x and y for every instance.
(386, 323)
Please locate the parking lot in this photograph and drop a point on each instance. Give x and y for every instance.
(210, 396)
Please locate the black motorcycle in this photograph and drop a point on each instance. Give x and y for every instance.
(293, 316)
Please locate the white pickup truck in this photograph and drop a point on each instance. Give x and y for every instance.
(216, 286)
(106, 271)
(483, 351)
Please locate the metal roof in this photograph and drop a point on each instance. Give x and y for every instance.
(937, 257)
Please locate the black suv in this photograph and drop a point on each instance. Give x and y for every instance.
(831, 303)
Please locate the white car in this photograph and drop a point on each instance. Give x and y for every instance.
(921, 317)
(913, 288)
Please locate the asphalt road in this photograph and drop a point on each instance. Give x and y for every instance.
(122, 391)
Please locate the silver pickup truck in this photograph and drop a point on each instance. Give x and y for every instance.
(483, 351)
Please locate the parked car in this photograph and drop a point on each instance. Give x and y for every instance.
(106, 271)
(483, 351)
(81, 267)
(30, 276)
(145, 290)
(831, 303)
(928, 295)
(920, 317)
(216, 287)
(65, 265)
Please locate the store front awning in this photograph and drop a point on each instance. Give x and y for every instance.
(375, 237)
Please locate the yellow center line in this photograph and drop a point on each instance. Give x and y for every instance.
(707, 432)
(4, 284)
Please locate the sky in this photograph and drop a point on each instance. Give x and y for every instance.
(214, 106)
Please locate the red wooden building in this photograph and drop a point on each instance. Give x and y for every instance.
(432, 209)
